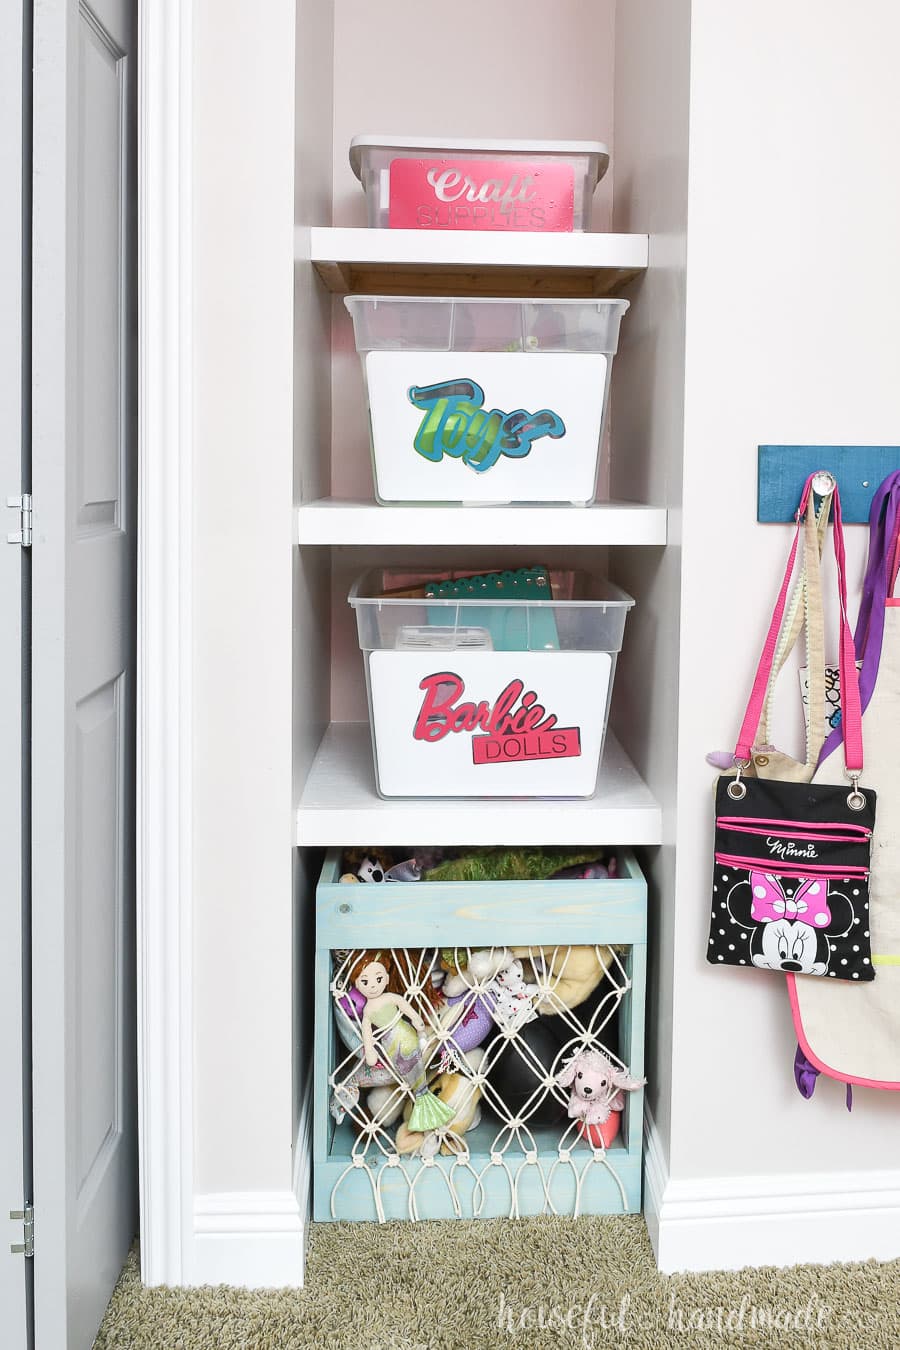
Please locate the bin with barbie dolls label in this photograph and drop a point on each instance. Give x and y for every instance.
(452, 184)
(489, 685)
(475, 401)
(478, 1033)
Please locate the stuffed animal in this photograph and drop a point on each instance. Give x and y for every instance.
(381, 1083)
(378, 865)
(384, 1105)
(480, 968)
(510, 998)
(598, 1086)
(389, 1031)
(467, 1011)
(572, 973)
(456, 1090)
(471, 1021)
(385, 1097)
(371, 869)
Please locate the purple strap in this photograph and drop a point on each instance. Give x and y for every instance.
(884, 522)
(805, 1075)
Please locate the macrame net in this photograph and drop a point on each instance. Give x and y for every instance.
(374, 1101)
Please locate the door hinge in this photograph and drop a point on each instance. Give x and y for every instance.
(23, 534)
(25, 1248)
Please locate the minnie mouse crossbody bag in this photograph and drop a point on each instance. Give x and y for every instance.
(790, 889)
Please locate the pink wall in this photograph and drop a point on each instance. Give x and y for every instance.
(515, 68)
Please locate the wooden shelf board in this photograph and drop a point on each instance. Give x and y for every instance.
(339, 805)
(335, 521)
(476, 262)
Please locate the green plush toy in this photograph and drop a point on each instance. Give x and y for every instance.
(509, 864)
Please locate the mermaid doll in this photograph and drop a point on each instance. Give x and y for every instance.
(372, 974)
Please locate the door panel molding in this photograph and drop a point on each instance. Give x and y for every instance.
(102, 462)
(165, 1024)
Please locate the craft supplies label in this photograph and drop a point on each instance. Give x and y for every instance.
(495, 426)
(502, 724)
(461, 194)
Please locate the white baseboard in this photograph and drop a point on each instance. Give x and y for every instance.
(725, 1223)
(254, 1239)
(257, 1239)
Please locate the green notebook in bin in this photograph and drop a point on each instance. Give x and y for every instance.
(513, 627)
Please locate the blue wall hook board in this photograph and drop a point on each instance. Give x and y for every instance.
(858, 470)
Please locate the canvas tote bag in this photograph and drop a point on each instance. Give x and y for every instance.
(853, 1034)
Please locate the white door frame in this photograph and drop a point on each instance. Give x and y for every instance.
(248, 1237)
(164, 855)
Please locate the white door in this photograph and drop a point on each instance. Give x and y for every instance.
(83, 659)
(14, 1181)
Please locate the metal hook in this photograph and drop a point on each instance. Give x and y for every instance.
(823, 482)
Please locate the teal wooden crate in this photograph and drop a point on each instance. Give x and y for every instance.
(351, 1182)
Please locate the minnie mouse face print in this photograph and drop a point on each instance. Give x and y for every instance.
(790, 946)
(792, 928)
(794, 924)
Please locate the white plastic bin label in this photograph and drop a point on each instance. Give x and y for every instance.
(486, 426)
(504, 724)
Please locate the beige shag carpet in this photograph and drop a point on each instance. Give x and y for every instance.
(534, 1284)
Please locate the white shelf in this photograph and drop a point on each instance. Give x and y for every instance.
(340, 806)
(333, 521)
(466, 262)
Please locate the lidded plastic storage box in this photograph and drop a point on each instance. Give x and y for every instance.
(474, 401)
(496, 685)
(434, 184)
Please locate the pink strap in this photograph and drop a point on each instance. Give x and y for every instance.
(743, 749)
(851, 710)
(851, 715)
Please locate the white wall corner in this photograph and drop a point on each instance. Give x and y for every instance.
(794, 1218)
(257, 1239)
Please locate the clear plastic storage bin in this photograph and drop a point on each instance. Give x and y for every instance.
(477, 401)
(434, 184)
(476, 692)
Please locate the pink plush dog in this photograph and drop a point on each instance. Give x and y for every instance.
(598, 1086)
